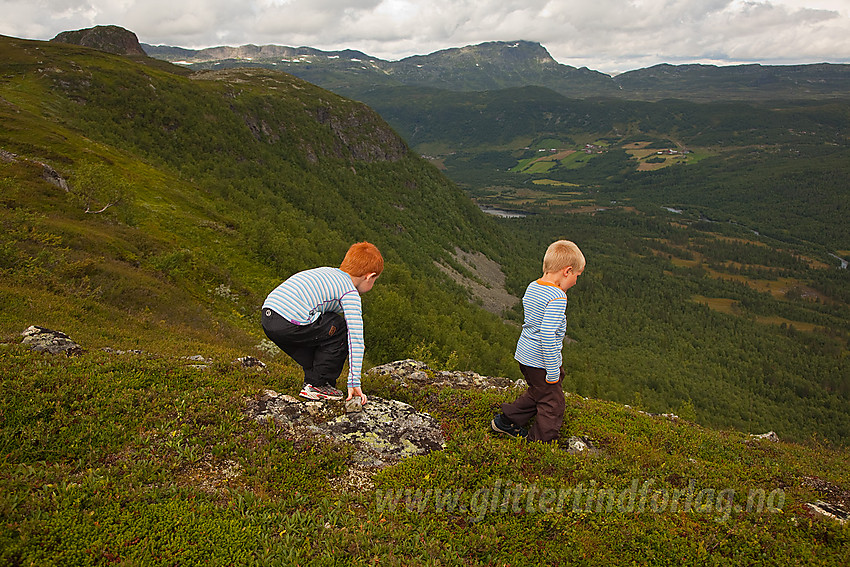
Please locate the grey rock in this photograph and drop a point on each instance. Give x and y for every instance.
(353, 406)
(53, 342)
(769, 436)
(382, 432)
(828, 510)
(114, 351)
(52, 176)
(249, 362)
(414, 373)
(578, 445)
(391, 429)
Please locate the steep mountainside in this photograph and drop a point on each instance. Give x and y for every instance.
(180, 202)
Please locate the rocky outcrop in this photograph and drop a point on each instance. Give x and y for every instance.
(47, 172)
(382, 431)
(834, 502)
(112, 39)
(487, 283)
(829, 511)
(413, 373)
(53, 342)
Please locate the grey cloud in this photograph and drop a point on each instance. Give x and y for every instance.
(607, 35)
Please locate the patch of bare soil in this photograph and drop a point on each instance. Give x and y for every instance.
(491, 292)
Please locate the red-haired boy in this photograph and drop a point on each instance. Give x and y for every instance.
(316, 317)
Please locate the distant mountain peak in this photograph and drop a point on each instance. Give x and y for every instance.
(510, 50)
(112, 39)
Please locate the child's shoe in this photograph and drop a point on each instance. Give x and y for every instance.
(320, 392)
(502, 424)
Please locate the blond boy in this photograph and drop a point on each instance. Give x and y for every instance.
(539, 348)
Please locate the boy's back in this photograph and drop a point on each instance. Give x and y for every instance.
(539, 344)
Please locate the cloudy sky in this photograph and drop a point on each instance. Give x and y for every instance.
(605, 35)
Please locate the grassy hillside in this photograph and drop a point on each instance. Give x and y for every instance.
(142, 460)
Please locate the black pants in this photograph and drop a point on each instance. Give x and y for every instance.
(320, 348)
(543, 400)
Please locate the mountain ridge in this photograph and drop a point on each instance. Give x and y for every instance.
(492, 65)
(506, 64)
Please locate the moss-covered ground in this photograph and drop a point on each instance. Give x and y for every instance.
(139, 459)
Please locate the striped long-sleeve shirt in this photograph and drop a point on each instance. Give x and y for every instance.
(542, 337)
(308, 294)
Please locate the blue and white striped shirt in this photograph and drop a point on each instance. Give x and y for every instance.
(308, 294)
(542, 337)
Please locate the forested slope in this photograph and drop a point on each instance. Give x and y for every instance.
(221, 181)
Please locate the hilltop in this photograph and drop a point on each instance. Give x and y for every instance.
(112, 39)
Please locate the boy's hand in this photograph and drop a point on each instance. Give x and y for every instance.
(356, 392)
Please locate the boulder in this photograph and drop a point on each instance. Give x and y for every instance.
(382, 431)
(53, 342)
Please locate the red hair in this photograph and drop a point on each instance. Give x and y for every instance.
(362, 258)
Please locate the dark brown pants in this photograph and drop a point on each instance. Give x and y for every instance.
(542, 399)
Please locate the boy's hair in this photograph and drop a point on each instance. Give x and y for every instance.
(362, 258)
(561, 254)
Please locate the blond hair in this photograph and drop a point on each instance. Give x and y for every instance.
(562, 254)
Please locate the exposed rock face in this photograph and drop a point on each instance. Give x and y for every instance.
(494, 297)
(112, 39)
(382, 431)
(415, 373)
(54, 342)
(47, 172)
(365, 136)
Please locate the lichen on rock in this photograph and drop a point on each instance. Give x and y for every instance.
(383, 432)
(53, 342)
